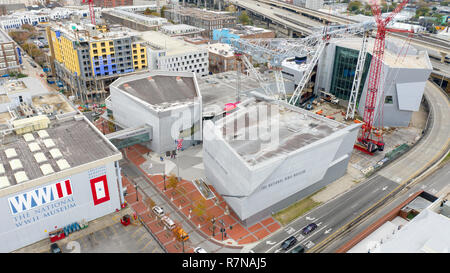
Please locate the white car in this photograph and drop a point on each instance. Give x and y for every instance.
(199, 250)
(158, 211)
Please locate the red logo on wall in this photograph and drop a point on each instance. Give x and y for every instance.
(99, 188)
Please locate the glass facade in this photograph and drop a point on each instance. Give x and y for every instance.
(345, 61)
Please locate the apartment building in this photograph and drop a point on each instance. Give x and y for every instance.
(174, 54)
(88, 59)
(9, 55)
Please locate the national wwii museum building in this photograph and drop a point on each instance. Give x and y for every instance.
(268, 154)
(56, 169)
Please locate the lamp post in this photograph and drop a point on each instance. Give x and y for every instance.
(164, 172)
(136, 188)
(213, 221)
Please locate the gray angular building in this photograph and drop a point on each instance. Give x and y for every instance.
(268, 154)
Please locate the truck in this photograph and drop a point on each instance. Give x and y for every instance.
(180, 233)
(329, 97)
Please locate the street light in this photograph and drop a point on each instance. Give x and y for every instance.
(164, 172)
(136, 188)
(213, 221)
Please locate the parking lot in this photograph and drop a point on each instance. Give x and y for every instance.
(103, 235)
(115, 239)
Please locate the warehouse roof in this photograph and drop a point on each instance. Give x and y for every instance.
(289, 129)
(73, 139)
(160, 89)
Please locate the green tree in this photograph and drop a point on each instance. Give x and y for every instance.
(244, 18)
(172, 181)
(199, 207)
(354, 6)
(163, 9)
(444, 3)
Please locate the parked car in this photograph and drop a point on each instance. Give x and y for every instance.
(298, 249)
(309, 228)
(158, 211)
(54, 248)
(289, 242)
(168, 222)
(199, 250)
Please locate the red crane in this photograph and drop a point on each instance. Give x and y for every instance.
(365, 142)
(91, 10)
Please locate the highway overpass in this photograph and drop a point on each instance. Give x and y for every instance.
(301, 21)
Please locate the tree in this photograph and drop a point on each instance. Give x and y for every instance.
(163, 9)
(244, 18)
(199, 207)
(28, 27)
(172, 181)
(19, 36)
(230, 8)
(354, 6)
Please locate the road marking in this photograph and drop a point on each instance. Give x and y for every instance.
(309, 244)
(142, 249)
(319, 224)
(310, 219)
(328, 231)
(384, 188)
(142, 237)
(290, 230)
(270, 242)
(278, 250)
(132, 235)
(300, 237)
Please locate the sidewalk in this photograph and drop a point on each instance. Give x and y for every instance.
(185, 197)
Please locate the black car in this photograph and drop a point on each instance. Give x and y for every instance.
(55, 248)
(309, 228)
(288, 243)
(298, 249)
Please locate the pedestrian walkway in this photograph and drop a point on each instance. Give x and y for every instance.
(189, 201)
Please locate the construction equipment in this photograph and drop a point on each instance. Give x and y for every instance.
(358, 76)
(91, 10)
(180, 234)
(274, 51)
(366, 143)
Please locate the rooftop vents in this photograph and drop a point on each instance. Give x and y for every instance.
(20, 177)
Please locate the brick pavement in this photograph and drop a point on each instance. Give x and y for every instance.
(185, 196)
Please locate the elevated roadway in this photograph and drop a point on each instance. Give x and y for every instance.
(298, 19)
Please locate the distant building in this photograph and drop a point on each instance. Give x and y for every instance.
(309, 4)
(10, 55)
(205, 19)
(133, 20)
(174, 54)
(222, 58)
(241, 31)
(112, 3)
(88, 58)
(181, 30)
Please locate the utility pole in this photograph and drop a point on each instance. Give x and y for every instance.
(213, 221)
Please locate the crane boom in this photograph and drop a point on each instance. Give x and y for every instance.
(366, 143)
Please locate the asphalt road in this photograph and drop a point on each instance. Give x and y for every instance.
(330, 215)
(336, 213)
(432, 184)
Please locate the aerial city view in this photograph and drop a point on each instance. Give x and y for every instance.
(224, 126)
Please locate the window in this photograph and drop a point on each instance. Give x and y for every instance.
(94, 45)
(388, 100)
(102, 44)
(95, 51)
